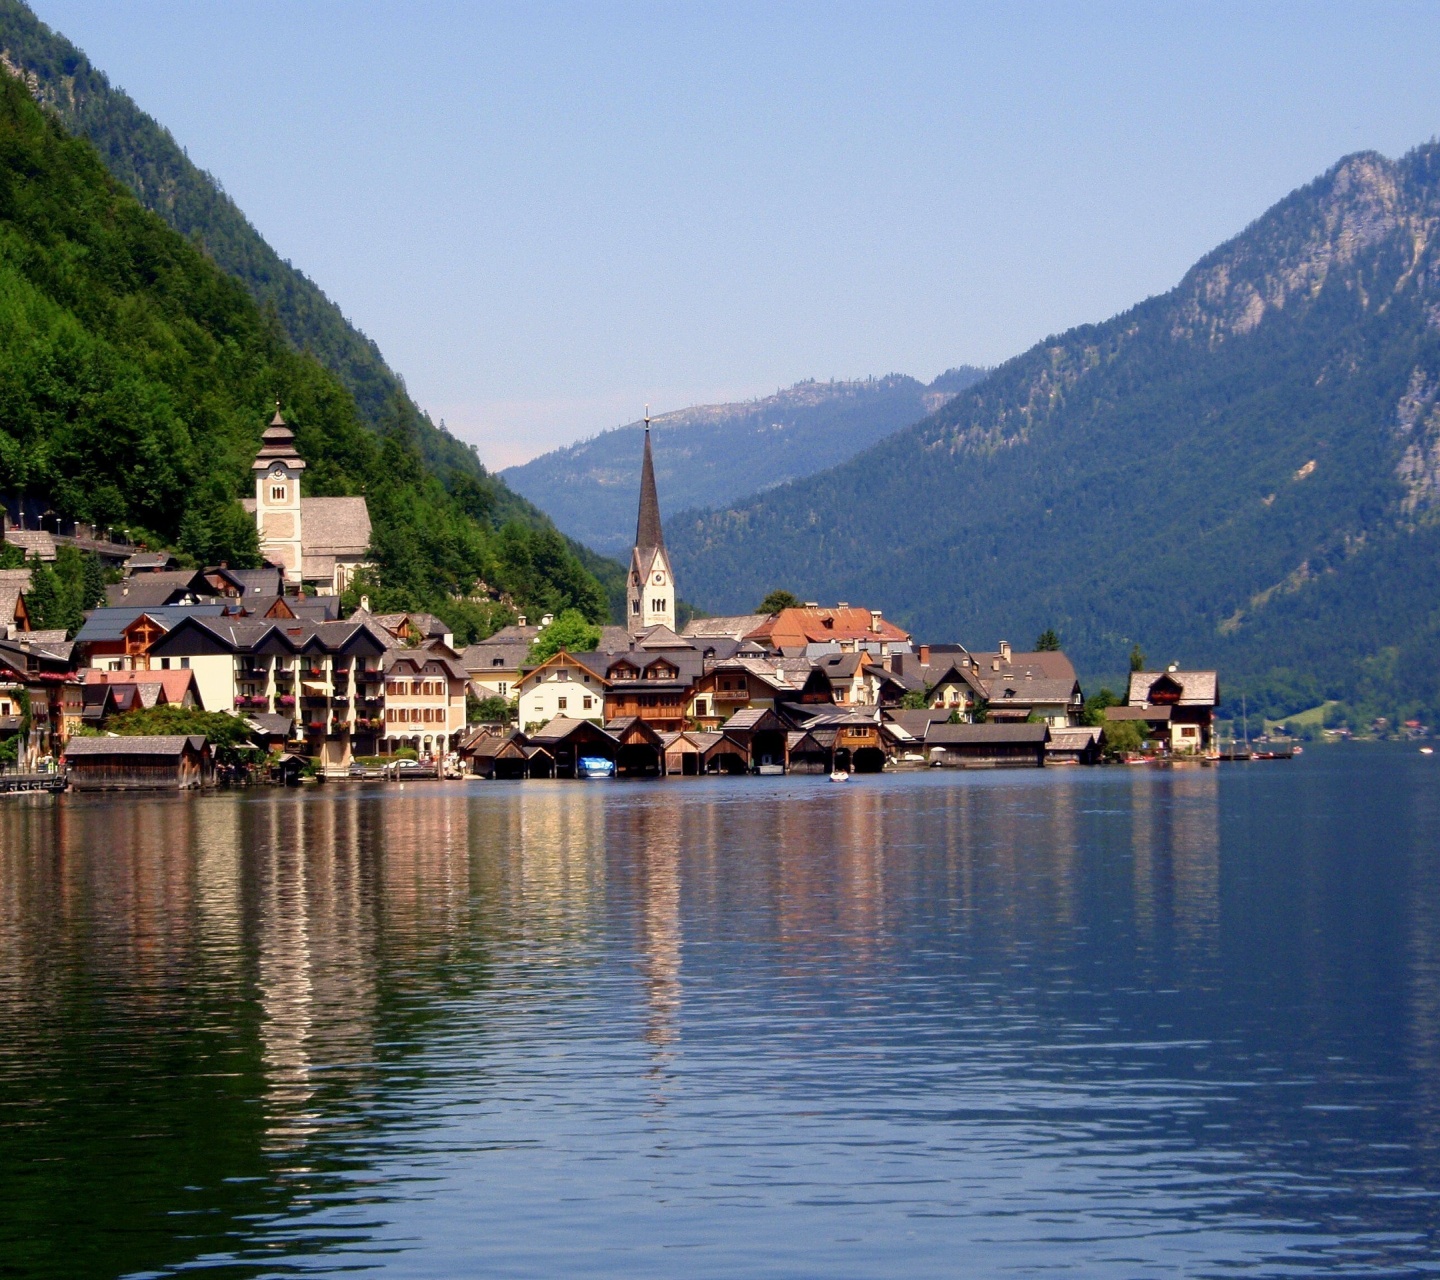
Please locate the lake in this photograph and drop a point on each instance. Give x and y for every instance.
(1110, 1022)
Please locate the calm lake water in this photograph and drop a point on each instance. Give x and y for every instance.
(1110, 1022)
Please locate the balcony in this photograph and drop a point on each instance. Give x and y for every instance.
(252, 702)
(338, 699)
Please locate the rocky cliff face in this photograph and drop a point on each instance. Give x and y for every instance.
(1221, 472)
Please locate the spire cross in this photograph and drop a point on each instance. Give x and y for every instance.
(647, 417)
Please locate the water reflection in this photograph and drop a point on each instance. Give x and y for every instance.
(1118, 1021)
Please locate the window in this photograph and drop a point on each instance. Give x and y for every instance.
(390, 714)
(657, 604)
(588, 702)
(164, 664)
(503, 688)
(184, 664)
(635, 606)
(561, 703)
(277, 493)
(702, 706)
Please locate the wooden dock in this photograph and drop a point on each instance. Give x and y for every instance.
(19, 783)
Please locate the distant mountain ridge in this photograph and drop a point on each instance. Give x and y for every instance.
(717, 453)
(1244, 471)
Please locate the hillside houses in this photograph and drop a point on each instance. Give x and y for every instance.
(809, 689)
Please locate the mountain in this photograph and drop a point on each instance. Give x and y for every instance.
(143, 156)
(1244, 471)
(136, 376)
(721, 452)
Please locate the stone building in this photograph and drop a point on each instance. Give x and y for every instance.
(650, 593)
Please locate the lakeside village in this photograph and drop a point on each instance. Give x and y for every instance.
(805, 689)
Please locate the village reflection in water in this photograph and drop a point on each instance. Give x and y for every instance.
(316, 969)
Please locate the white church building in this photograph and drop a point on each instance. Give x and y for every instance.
(318, 542)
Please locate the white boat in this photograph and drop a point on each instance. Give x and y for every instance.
(1427, 751)
(769, 770)
(595, 767)
(839, 776)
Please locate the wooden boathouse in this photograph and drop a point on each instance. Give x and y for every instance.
(151, 762)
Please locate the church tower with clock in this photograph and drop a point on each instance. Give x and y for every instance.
(650, 594)
(277, 469)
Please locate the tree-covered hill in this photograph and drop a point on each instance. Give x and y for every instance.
(718, 453)
(136, 376)
(1241, 472)
(143, 156)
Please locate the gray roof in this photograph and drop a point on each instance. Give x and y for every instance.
(918, 721)
(110, 624)
(35, 542)
(560, 727)
(1023, 691)
(735, 628)
(169, 744)
(1074, 739)
(488, 655)
(157, 589)
(270, 725)
(956, 735)
(1151, 714)
(330, 526)
(1197, 688)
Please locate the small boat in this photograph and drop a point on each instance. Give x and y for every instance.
(595, 767)
(839, 775)
(769, 770)
(1427, 751)
(1297, 751)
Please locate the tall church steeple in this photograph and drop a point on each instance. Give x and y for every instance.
(650, 596)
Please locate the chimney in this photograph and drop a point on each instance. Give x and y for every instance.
(844, 604)
(875, 620)
(924, 655)
(520, 621)
(812, 604)
(547, 619)
(1004, 651)
(365, 603)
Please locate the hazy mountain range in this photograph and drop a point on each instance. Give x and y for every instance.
(1244, 471)
(720, 452)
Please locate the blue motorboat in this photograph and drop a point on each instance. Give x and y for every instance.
(595, 767)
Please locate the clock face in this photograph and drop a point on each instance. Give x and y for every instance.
(659, 577)
(278, 473)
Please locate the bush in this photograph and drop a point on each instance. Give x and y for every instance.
(1122, 738)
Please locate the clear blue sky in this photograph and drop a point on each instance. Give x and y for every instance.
(547, 215)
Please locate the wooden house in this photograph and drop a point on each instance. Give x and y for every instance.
(987, 746)
(1178, 705)
(166, 762)
(762, 734)
(641, 750)
(567, 741)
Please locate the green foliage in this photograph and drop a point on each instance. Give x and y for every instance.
(1094, 712)
(980, 712)
(11, 557)
(778, 600)
(59, 596)
(135, 378)
(1137, 658)
(1047, 641)
(957, 718)
(224, 731)
(489, 710)
(10, 750)
(570, 631)
(1122, 738)
(915, 700)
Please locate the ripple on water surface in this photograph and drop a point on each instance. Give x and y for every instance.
(1112, 1022)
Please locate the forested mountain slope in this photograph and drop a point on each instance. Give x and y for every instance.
(717, 453)
(1243, 472)
(136, 377)
(144, 157)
